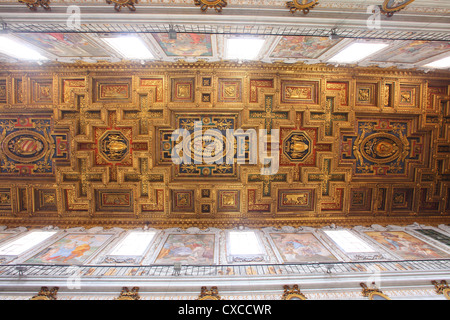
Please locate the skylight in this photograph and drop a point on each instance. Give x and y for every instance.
(439, 64)
(357, 52)
(24, 243)
(244, 243)
(134, 244)
(130, 47)
(18, 51)
(347, 241)
(243, 48)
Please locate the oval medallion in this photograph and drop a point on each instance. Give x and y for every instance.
(25, 146)
(381, 148)
(395, 5)
(212, 144)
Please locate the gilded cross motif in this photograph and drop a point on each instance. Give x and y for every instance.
(144, 177)
(145, 116)
(326, 177)
(83, 177)
(267, 181)
(268, 114)
(442, 119)
(78, 116)
(437, 177)
(329, 116)
(113, 145)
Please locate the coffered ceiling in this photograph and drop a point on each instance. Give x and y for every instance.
(85, 136)
(416, 35)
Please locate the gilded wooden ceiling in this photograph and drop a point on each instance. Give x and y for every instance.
(89, 144)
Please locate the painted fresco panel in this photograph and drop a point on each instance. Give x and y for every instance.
(407, 246)
(301, 247)
(64, 44)
(413, 52)
(302, 47)
(187, 249)
(435, 235)
(186, 44)
(72, 249)
(3, 236)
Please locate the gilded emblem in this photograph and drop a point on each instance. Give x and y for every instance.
(303, 5)
(46, 294)
(114, 146)
(293, 294)
(49, 198)
(295, 199)
(230, 91)
(364, 95)
(297, 146)
(5, 198)
(25, 146)
(34, 4)
(298, 93)
(128, 294)
(116, 199)
(406, 96)
(183, 199)
(183, 91)
(118, 4)
(381, 148)
(216, 4)
(389, 7)
(118, 91)
(206, 294)
(228, 199)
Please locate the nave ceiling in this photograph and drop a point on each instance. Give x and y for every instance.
(85, 136)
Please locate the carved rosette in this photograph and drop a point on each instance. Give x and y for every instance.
(216, 4)
(301, 5)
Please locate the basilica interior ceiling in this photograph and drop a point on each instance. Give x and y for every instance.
(86, 138)
(90, 144)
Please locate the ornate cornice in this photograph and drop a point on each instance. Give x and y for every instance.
(221, 223)
(127, 66)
